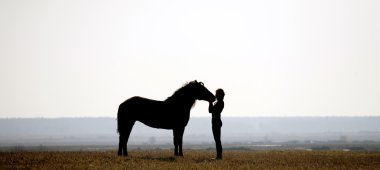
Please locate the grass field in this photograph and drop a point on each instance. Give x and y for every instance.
(192, 160)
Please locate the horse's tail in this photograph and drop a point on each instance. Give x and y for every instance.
(119, 118)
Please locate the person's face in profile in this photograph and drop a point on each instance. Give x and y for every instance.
(219, 95)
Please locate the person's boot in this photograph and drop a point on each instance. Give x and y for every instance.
(218, 156)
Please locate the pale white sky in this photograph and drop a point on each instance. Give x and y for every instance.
(77, 58)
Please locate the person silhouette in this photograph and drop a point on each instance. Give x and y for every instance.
(216, 110)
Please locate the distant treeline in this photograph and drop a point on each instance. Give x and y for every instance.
(71, 131)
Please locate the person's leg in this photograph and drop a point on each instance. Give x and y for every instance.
(216, 132)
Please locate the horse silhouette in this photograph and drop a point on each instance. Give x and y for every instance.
(172, 113)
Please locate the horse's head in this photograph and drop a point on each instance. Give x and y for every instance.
(201, 92)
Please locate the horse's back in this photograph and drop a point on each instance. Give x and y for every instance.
(139, 108)
(138, 101)
(150, 112)
(139, 104)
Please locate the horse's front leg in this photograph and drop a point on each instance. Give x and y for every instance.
(180, 142)
(175, 142)
(178, 136)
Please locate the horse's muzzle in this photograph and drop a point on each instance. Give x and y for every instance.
(212, 99)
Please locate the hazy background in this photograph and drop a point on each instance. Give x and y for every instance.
(80, 58)
(257, 133)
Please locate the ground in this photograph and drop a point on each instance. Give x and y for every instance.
(193, 159)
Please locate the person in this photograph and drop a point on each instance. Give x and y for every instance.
(216, 110)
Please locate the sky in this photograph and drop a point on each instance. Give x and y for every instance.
(82, 58)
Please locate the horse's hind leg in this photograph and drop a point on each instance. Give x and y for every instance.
(123, 139)
(121, 143)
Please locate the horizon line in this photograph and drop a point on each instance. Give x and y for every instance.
(97, 117)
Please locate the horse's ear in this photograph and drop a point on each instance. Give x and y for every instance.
(196, 81)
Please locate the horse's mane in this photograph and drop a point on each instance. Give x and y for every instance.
(179, 93)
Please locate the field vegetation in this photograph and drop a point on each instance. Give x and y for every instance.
(193, 159)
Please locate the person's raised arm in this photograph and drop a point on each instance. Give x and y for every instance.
(210, 107)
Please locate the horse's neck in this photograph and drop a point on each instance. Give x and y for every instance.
(189, 104)
(186, 106)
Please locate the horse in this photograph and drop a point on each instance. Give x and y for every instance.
(172, 113)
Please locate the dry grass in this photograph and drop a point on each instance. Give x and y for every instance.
(192, 160)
